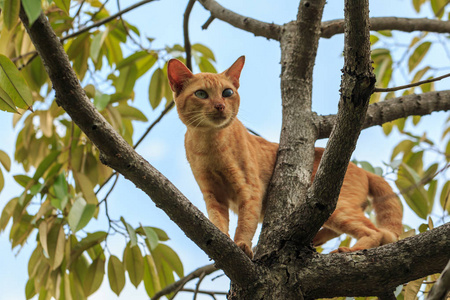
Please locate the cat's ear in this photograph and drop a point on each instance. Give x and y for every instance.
(178, 74)
(234, 72)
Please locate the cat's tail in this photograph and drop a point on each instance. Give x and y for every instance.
(387, 207)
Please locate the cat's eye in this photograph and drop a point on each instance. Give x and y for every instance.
(227, 93)
(201, 94)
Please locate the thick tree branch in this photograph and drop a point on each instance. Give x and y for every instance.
(376, 271)
(358, 82)
(258, 28)
(393, 109)
(292, 174)
(117, 154)
(331, 28)
(442, 286)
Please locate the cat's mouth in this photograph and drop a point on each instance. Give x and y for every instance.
(219, 119)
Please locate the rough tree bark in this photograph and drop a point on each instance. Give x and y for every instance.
(285, 266)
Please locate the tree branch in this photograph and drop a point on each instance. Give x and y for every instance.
(442, 286)
(375, 271)
(187, 43)
(331, 28)
(258, 28)
(414, 84)
(393, 109)
(358, 82)
(292, 174)
(117, 154)
(178, 285)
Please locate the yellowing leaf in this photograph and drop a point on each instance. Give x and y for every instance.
(7, 213)
(43, 232)
(12, 82)
(55, 242)
(2, 180)
(418, 54)
(10, 13)
(438, 7)
(116, 274)
(164, 252)
(412, 288)
(86, 186)
(131, 113)
(5, 160)
(6, 102)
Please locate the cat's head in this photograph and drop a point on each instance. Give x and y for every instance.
(205, 100)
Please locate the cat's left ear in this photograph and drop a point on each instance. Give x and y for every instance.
(234, 72)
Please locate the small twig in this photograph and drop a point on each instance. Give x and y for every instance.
(197, 286)
(165, 111)
(79, 9)
(178, 285)
(402, 87)
(105, 20)
(187, 43)
(208, 22)
(211, 293)
(99, 10)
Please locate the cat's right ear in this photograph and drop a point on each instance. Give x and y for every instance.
(178, 74)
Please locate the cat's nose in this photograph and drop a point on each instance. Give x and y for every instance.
(220, 107)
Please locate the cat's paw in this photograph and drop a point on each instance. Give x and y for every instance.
(342, 250)
(246, 248)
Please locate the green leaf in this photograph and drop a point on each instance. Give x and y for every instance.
(206, 66)
(80, 214)
(403, 147)
(10, 13)
(373, 39)
(204, 50)
(166, 253)
(116, 274)
(146, 63)
(6, 102)
(92, 239)
(417, 4)
(126, 80)
(438, 7)
(387, 33)
(132, 59)
(32, 9)
(418, 54)
(151, 279)
(30, 291)
(152, 237)
(45, 164)
(162, 235)
(130, 112)
(61, 192)
(12, 82)
(96, 45)
(444, 199)
(64, 5)
(94, 276)
(366, 166)
(56, 240)
(156, 88)
(101, 100)
(134, 264)
(415, 196)
(23, 180)
(131, 232)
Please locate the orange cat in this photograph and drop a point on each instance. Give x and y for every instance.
(233, 167)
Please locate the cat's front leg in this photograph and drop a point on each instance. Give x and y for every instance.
(248, 216)
(217, 212)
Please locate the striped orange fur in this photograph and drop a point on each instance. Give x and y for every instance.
(233, 167)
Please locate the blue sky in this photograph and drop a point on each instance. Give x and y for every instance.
(260, 110)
